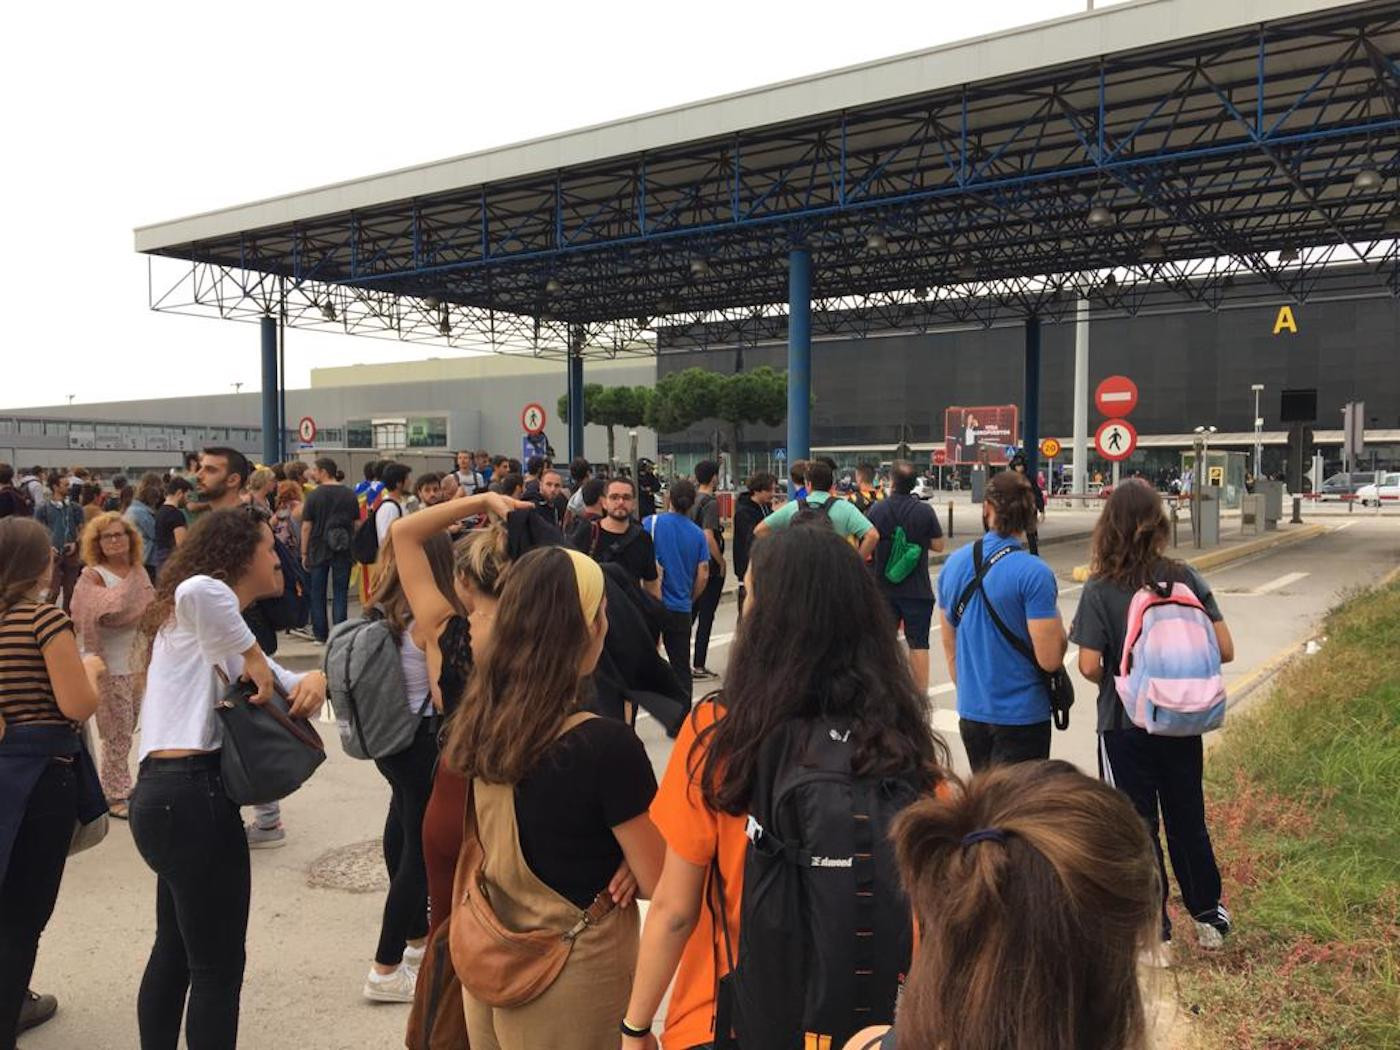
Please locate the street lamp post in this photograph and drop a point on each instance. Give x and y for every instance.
(1258, 389)
(1202, 450)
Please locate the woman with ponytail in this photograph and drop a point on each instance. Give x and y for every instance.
(47, 779)
(1034, 890)
(1158, 773)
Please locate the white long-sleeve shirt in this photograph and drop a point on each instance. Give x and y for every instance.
(207, 629)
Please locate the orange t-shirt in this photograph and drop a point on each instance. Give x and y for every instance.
(696, 833)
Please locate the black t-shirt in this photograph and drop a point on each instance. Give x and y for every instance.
(920, 528)
(333, 511)
(705, 513)
(592, 779)
(168, 519)
(12, 504)
(633, 549)
(1101, 624)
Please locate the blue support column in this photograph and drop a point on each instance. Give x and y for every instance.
(1030, 419)
(271, 396)
(799, 378)
(576, 420)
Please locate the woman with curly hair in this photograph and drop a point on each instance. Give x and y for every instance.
(185, 826)
(112, 594)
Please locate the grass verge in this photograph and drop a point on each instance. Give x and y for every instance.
(1304, 801)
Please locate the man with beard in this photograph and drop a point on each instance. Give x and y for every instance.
(618, 539)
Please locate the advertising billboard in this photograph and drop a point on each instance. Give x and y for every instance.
(980, 434)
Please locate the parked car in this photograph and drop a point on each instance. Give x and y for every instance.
(1388, 490)
(926, 488)
(1343, 485)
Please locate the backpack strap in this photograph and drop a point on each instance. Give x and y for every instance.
(1012, 639)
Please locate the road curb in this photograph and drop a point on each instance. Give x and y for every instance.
(1215, 559)
(1049, 541)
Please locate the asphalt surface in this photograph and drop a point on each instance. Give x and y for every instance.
(310, 943)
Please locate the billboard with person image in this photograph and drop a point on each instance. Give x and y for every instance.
(981, 434)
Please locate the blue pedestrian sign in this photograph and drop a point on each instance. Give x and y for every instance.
(780, 454)
(1011, 451)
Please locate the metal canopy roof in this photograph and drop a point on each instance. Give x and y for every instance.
(955, 185)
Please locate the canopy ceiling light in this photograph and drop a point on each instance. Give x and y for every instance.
(967, 271)
(1099, 217)
(431, 302)
(1153, 250)
(1392, 221)
(1287, 254)
(666, 306)
(552, 286)
(699, 267)
(876, 242)
(328, 310)
(1368, 178)
(921, 293)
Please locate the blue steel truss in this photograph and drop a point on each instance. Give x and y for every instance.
(1227, 164)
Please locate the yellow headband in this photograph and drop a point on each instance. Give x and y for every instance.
(590, 583)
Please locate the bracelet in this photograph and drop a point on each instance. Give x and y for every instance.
(633, 1031)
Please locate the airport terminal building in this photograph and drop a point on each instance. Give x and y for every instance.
(1192, 369)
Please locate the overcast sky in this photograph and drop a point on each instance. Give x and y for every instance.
(124, 114)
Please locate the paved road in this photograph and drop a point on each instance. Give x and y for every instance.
(309, 947)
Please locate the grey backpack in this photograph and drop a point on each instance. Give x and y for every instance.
(365, 684)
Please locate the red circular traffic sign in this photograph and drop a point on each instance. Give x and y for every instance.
(306, 430)
(940, 457)
(1116, 396)
(532, 418)
(1116, 439)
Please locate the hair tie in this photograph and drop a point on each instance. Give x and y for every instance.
(984, 835)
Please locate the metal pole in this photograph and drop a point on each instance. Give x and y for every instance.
(1081, 399)
(575, 389)
(799, 380)
(1030, 425)
(1258, 389)
(270, 397)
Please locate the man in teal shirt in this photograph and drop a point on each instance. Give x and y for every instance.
(841, 514)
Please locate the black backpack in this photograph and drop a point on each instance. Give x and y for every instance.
(364, 548)
(292, 607)
(813, 512)
(826, 931)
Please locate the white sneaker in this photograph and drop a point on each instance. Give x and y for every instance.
(413, 959)
(1209, 937)
(1158, 957)
(396, 987)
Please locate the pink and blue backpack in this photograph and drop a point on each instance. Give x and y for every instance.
(1169, 679)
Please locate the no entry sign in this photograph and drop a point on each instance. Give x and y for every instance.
(940, 457)
(1116, 396)
(1115, 440)
(532, 418)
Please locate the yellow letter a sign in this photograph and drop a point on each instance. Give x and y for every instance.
(1285, 320)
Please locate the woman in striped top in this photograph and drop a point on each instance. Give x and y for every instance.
(47, 780)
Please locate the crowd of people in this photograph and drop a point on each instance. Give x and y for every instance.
(818, 875)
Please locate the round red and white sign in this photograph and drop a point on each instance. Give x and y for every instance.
(306, 430)
(532, 418)
(940, 457)
(1116, 396)
(1115, 439)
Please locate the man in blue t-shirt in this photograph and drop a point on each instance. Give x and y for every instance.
(1003, 702)
(684, 556)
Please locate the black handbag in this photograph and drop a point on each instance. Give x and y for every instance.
(267, 754)
(1058, 682)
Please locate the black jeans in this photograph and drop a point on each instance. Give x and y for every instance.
(1164, 773)
(190, 834)
(675, 636)
(410, 777)
(990, 745)
(30, 889)
(703, 614)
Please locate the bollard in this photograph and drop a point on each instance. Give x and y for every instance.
(950, 519)
(1350, 503)
(1175, 521)
(1297, 511)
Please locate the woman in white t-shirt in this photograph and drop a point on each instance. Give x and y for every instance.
(108, 602)
(403, 930)
(185, 827)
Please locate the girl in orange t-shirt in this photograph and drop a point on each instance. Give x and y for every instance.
(816, 638)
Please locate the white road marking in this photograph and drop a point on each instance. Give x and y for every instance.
(1344, 525)
(1281, 582)
(945, 721)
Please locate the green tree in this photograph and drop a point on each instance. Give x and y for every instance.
(759, 396)
(610, 407)
(683, 399)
